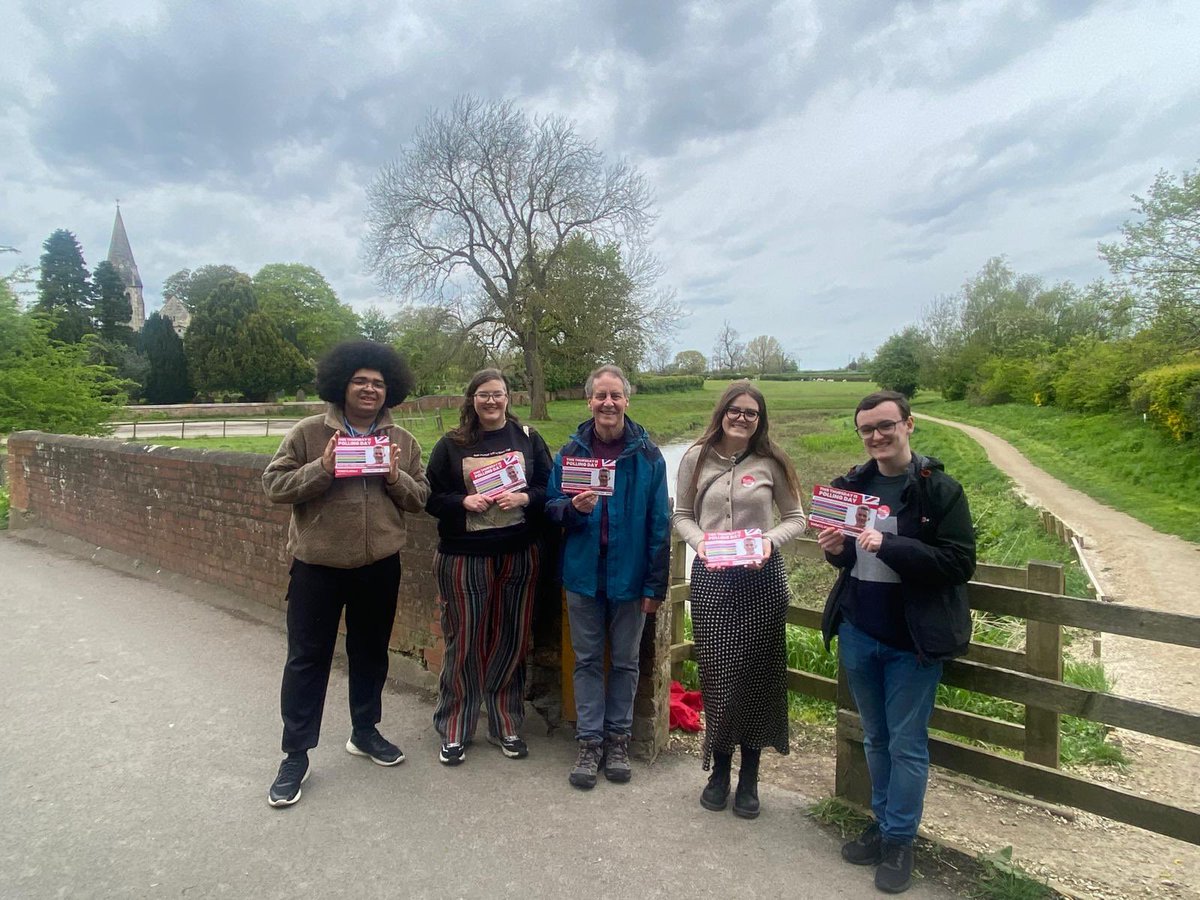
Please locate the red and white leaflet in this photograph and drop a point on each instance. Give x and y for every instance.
(370, 455)
(726, 549)
(580, 473)
(504, 475)
(848, 511)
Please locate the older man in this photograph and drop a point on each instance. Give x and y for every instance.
(615, 554)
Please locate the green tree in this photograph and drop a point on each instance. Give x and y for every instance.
(1158, 258)
(897, 363)
(167, 376)
(46, 384)
(374, 325)
(486, 197)
(304, 308)
(233, 347)
(439, 350)
(690, 362)
(765, 354)
(193, 287)
(64, 288)
(112, 307)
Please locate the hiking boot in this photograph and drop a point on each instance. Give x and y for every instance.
(452, 754)
(716, 793)
(866, 849)
(293, 772)
(510, 745)
(372, 744)
(616, 758)
(587, 764)
(894, 875)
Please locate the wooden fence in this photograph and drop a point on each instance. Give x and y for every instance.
(1032, 677)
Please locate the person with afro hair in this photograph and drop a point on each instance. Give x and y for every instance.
(344, 538)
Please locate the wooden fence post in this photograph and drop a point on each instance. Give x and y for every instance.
(1043, 656)
(852, 779)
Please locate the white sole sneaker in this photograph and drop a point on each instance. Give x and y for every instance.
(294, 800)
(452, 760)
(351, 749)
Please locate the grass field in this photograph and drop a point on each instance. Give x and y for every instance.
(1115, 458)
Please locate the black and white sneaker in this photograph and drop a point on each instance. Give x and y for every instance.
(293, 772)
(510, 745)
(452, 754)
(374, 745)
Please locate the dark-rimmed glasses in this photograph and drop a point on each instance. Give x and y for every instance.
(489, 395)
(884, 428)
(736, 412)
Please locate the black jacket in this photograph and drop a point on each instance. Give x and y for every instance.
(933, 552)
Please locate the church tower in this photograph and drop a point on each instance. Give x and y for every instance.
(121, 257)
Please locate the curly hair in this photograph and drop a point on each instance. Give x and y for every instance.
(467, 432)
(338, 366)
(760, 442)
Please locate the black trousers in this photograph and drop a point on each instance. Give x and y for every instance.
(316, 597)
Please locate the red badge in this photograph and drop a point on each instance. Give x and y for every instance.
(747, 480)
(883, 512)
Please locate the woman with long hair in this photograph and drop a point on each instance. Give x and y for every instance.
(486, 565)
(729, 480)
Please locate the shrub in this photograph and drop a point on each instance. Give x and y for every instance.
(1095, 376)
(666, 384)
(1170, 396)
(1005, 380)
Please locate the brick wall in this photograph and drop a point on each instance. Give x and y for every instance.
(200, 513)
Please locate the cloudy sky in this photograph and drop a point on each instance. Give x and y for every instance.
(823, 169)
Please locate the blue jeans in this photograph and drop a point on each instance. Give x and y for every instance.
(894, 694)
(600, 708)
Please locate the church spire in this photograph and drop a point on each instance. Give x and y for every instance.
(121, 256)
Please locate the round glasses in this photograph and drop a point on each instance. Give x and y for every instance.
(489, 395)
(736, 412)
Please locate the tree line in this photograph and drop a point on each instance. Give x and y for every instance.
(1129, 341)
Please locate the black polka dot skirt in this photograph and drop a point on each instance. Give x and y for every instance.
(739, 619)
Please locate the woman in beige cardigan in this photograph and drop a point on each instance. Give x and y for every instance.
(729, 480)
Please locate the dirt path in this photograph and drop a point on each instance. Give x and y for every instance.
(1135, 564)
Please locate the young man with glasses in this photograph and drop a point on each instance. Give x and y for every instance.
(899, 608)
(615, 559)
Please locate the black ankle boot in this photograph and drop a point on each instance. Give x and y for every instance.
(716, 793)
(745, 800)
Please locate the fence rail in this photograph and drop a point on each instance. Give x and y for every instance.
(1032, 677)
(249, 427)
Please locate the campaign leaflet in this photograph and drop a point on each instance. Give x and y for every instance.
(504, 475)
(848, 511)
(726, 549)
(370, 455)
(579, 474)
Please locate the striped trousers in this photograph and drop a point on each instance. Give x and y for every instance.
(486, 604)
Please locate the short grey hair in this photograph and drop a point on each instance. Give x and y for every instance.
(607, 370)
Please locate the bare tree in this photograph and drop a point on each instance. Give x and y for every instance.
(728, 351)
(484, 200)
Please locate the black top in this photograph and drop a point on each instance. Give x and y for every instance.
(494, 531)
(874, 602)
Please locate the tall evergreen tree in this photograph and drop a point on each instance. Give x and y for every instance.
(112, 307)
(64, 288)
(167, 380)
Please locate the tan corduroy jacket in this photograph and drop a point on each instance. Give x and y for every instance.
(343, 522)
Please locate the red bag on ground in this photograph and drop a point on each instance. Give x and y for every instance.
(685, 708)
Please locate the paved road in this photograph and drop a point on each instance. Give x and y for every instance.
(140, 735)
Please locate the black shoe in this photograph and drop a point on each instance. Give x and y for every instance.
(894, 875)
(510, 745)
(452, 754)
(866, 849)
(715, 795)
(293, 772)
(745, 799)
(371, 743)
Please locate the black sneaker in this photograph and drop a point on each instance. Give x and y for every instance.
(372, 744)
(866, 849)
(715, 795)
(894, 875)
(510, 745)
(293, 772)
(452, 754)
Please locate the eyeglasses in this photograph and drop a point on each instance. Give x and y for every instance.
(736, 412)
(369, 382)
(489, 395)
(884, 428)
(615, 396)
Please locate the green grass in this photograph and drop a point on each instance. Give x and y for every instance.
(3, 507)
(1115, 458)
(1000, 878)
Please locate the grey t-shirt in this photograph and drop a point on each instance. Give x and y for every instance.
(874, 603)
